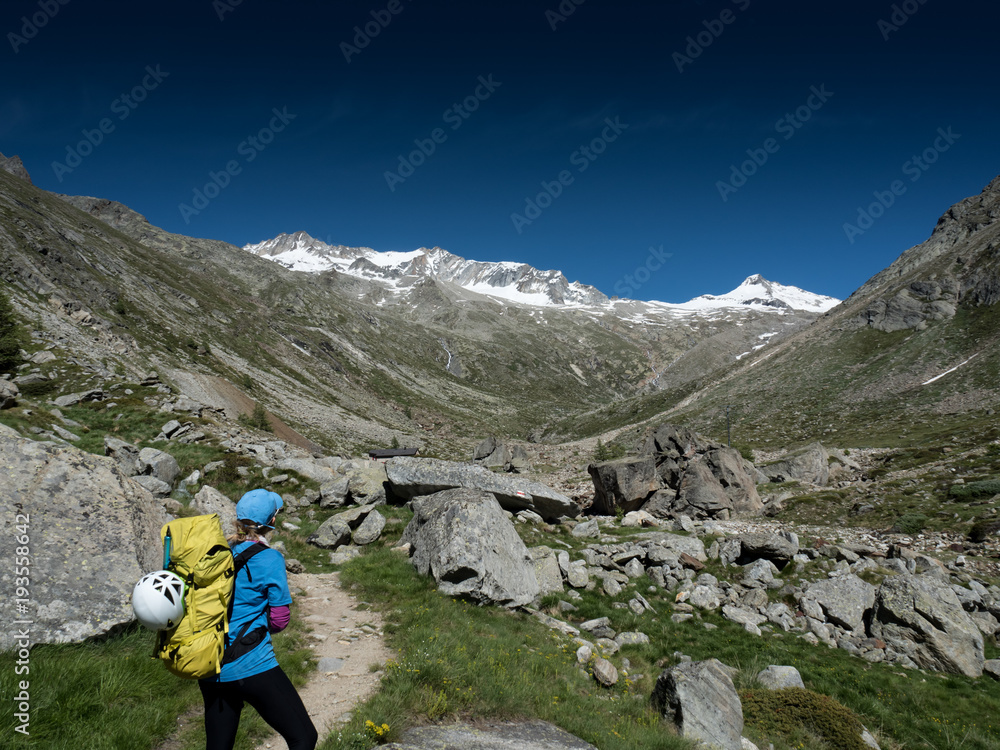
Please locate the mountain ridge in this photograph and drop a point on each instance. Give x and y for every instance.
(513, 281)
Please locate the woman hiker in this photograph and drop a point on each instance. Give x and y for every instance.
(250, 671)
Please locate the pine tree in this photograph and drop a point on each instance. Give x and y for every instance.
(10, 336)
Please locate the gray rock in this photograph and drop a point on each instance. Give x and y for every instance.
(333, 532)
(92, 532)
(701, 700)
(632, 639)
(587, 530)
(810, 464)
(465, 541)
(412, 477)
(576, 575)
(777, 678)
(922, 615)
(774, 547)
(547, 571)
(8, 394)
(759, 572)
(605, 672)
(367, 482)
(535, 735)
(124, 454)
(624, 483)
(987, 623)
(72, 399)
(991, 668)
(333, 494)
(844, 600)
(677, 544)
(661, 503)
(307, 468)
(484, 449)
(369, 530)
(705, 597)
(742, 616)
(344, 555)
(154, 486)
(170, 428)
(730, 469)
(159, 464)
(210, 500)
(701, 495)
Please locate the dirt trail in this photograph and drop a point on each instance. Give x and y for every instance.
(347, 641)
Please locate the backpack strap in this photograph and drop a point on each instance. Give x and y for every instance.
(240, 560)
(243, 643)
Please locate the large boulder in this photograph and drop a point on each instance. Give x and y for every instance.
(209, 500)
(757, 545)
(732, 472)
(810, 464)
(844, 600)
(701, 495)
(366, 482)
(921, 618)
(624, 483)
(702, 701)
(91, 534)
(679, 545)
(465, 541)
(158, 464)
(308, 468)
(125, 455)
(412, 477)
(671, 441)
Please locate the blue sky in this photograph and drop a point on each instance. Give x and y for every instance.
(741, 136)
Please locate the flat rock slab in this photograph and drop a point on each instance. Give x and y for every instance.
(535, 735)
(411, 477)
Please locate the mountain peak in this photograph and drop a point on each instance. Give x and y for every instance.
(756, 291)
(15, 166)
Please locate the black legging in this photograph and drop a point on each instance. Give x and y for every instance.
(275, 699)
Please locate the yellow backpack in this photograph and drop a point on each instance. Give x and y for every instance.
(196, 550)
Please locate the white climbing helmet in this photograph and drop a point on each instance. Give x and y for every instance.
(158, 600)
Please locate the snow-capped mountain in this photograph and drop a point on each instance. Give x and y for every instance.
(756, 291)
(514, 282)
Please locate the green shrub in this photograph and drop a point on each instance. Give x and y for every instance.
(910, 523)
(975, 490)
(11, 337)
(984, 529)
(797, 714)
(608, 452)
(257, 420)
